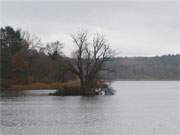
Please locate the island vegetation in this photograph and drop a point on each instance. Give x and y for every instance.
(23, 58)
(28, 63)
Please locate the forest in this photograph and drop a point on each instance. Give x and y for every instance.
(165, 67)
(25, 60)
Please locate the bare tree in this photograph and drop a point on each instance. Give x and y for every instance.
(54, 49)
(89, 59)
(33, 42)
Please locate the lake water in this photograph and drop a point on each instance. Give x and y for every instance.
(137, 108)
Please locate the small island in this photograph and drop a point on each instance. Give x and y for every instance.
(74, 89)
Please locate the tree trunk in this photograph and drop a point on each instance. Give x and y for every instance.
(82, 85)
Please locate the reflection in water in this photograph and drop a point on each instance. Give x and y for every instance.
(11, 93)
(16, 93)
(138, 108)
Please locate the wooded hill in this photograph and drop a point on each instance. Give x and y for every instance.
(166, 67)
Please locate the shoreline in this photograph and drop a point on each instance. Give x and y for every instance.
(60, 85)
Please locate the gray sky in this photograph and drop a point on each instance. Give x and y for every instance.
(133, 28)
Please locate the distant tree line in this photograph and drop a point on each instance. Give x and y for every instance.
(166, 67)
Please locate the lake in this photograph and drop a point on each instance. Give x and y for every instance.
(137, 108)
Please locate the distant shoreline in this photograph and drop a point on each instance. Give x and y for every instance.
(55, 86)
(146, 80)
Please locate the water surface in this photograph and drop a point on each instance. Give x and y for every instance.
(138, 108)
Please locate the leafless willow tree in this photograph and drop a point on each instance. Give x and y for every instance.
(89, 59)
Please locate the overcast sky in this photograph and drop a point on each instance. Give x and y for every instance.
(133, 28)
